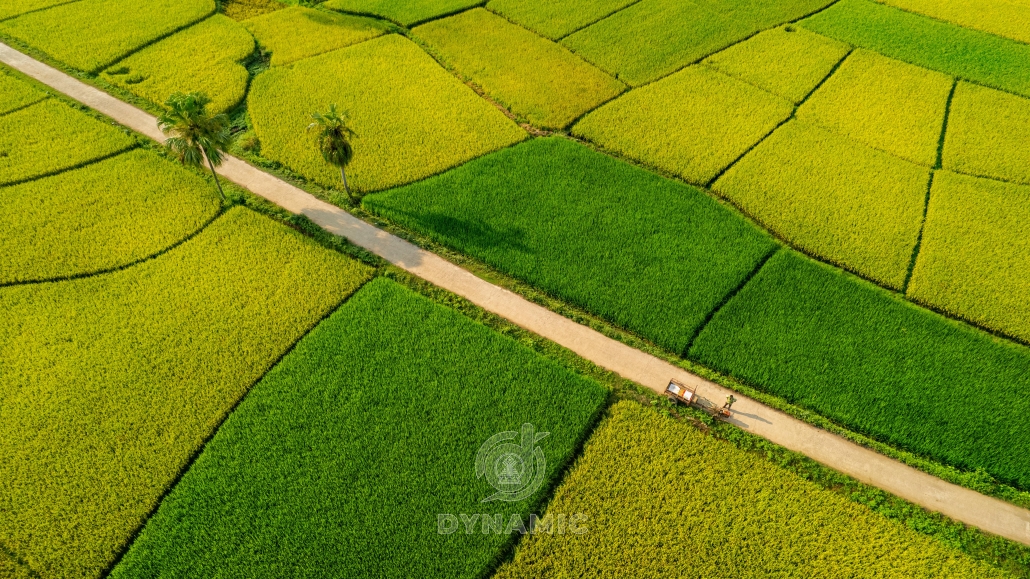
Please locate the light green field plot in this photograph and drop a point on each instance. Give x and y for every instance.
(100, 216)
(556, 19)
(412, 118)
(656, 37)
(953, 50)
(693, 123)
(406, 12)
(988, 134)
(16, 93)
(658, 491)
(50, 136)
(112, 382)
(1010, 18)
(534, 77)
(973, 257)
(647, 253)
(887, 104)
(92, 34)
(787, 61)
(834, 198)
(298, 32)
(340, 460)
(205, 57)
(872, 361)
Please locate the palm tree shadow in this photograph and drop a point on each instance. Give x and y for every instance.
(465, 234)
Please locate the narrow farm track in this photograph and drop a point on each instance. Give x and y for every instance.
(989, 514)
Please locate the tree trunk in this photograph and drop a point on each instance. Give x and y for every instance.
(215, 175)
(346, 187)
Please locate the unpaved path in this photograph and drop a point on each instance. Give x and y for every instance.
(991, 515)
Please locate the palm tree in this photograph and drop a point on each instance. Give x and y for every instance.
(193, 135)
(332, 139)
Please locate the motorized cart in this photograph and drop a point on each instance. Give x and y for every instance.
(680, 393)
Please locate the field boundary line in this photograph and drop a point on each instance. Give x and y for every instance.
(39, 10)
(961, 504)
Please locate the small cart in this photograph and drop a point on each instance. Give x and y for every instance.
(680, 393)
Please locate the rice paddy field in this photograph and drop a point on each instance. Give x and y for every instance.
(822, 204)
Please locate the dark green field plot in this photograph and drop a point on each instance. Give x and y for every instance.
(973, 259)
(112, 382)
(692, 124)
(298, 32)
(787, 61)
(884, 103)
(869, 360)
(340, 460)
(656, 37)
(988, 134)
(411, 118)
(177, 64)
(92, 34)
(647, 253)
(834, 198)
(556, 19)
(51, 136)
(535, 78)
(16, 93)
(101, 216)
(406, 12)
(956, 51)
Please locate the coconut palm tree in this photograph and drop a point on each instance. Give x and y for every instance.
(332, 137)
(193, 134)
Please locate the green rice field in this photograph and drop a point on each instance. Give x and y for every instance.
(821, 205)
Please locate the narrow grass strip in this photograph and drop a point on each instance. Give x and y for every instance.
(973, 260)
(299, 32)
(873, 362)
(649, 254)
(834, 198)
(112, 382)
(51, 136)
(205, 57)
(92, 34)
(535, 78)
(340, 461)
(99, 217)
(649, 485)
(692, 124)
(959, 52)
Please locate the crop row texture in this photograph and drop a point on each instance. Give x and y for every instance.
(92, 34)
(205, 57)
(112, 382)
(536, 78)
(412, 118)
(50, 136)
(341, 459)
(101, 216)
(647, 253)
(664, 500)
(988, 132)
(866, 358)
(297, 32)
(1001, 17)
(555, 20)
